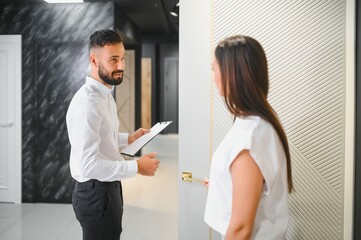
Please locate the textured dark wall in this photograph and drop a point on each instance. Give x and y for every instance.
(54, 66)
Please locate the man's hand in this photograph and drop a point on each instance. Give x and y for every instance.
(147, 164)
(137, 134)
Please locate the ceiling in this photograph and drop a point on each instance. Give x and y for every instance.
(152, 17)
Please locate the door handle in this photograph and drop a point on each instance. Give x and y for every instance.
(7, 124)
(187, 177)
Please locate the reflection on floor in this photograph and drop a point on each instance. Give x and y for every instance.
(150, 211)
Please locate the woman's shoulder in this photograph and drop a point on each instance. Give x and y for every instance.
(251, 122)
(256, 126)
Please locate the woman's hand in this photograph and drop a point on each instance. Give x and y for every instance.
(206, 182)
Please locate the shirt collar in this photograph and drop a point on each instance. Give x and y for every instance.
(101, 87)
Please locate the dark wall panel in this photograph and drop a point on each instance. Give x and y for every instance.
(54, 66)
(56, 83)
(169, 85)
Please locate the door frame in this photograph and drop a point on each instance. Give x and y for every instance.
(350, 115)
(357, 187)
(195, 87)
(17, 40)
(18, 120)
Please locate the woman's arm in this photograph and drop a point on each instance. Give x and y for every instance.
(247, 183)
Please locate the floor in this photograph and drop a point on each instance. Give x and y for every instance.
(150, 210)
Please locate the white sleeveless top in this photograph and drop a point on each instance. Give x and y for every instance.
(260, 138)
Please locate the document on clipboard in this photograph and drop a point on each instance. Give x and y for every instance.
(138, 144)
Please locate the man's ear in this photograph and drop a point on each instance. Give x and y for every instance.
(93, 59)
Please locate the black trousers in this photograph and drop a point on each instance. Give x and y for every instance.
(98, 206)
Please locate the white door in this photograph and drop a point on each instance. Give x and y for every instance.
(10, 118)
(311, 88)
(194, 115)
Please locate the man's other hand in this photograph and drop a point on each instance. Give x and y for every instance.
(147, 164)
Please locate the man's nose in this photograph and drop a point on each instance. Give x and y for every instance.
(120, 65)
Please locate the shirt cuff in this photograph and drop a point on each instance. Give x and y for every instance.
(123, 139)
(132, 167)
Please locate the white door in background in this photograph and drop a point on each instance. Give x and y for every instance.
(194, 115)
(10, 118)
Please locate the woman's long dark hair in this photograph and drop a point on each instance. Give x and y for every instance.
(244, 73)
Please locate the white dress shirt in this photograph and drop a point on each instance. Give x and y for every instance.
(92, 124)
(259, 137)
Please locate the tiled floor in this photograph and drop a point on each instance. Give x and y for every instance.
(150, 211)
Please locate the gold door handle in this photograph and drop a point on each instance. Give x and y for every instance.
(187, 177)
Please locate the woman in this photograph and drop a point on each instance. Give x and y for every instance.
(251, 169)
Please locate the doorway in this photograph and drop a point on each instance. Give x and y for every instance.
(10, 118)
(170, 94)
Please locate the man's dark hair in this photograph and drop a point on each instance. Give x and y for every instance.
(103, 37)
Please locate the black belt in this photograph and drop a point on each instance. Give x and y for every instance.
(92, 183)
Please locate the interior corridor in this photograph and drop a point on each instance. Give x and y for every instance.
(150, 210)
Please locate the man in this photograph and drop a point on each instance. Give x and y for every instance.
(95, 162)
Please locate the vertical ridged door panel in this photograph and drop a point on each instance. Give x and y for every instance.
(305, 46)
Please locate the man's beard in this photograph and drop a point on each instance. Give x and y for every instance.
(109, 78)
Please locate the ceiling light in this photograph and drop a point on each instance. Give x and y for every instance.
(175, 10)
(64, 1)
